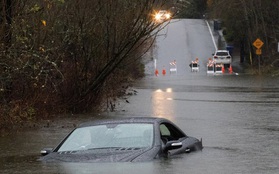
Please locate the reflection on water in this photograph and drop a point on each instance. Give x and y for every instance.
(162, 103)
(239, 137)
(105, 168)
(239, 127)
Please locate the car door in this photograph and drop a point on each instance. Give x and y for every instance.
(169, 132)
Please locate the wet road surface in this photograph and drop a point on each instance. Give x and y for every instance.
(236, 116)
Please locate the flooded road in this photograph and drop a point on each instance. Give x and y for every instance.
(237, 116)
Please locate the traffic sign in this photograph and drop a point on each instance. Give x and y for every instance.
(258, 43)
(258, 51)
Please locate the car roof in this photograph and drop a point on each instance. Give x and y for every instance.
(119, 120)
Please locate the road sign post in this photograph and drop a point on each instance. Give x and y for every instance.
(258, 43)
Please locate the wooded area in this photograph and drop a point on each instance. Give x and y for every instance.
(61, 56)
(246, 20)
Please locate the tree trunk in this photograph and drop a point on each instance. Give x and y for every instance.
(5, 22)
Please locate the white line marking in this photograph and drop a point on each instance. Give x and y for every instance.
(213, 40)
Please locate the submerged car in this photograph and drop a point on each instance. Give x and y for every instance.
(122, 140)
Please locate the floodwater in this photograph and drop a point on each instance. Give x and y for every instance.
(237, 116)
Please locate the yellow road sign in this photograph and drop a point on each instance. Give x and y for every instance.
(258, 51)
(258, 43)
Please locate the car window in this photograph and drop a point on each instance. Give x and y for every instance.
(170, 132)
(111, 135)
(222, 54)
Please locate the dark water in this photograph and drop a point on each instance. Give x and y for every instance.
(236, 116)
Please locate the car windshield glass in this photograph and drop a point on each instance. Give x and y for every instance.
(221, 53)
(109, 136)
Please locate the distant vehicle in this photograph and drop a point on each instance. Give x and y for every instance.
(132, 139)
(162, 15)
(222, 57)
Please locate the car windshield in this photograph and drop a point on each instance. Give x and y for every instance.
(109, 136)
(222, 53)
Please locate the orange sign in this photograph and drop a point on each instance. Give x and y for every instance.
(258, 51)
(258, 43)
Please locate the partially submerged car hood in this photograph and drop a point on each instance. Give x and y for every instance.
(103, 155)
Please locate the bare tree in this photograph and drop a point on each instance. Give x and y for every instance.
(248, 20)
(71, 55)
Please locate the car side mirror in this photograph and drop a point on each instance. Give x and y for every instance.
(171, 145)
(46, 151)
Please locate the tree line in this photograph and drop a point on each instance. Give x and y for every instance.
(59, 56)
(246, 20)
